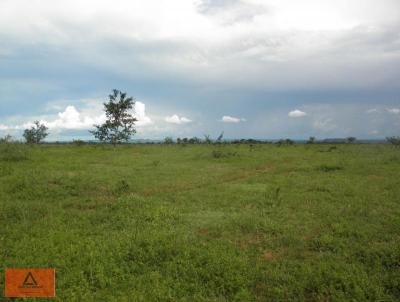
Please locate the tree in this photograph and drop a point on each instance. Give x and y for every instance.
(168, 140)
(351, 139)
(36, 133)
(6, 139)
(394, 140)
(194, 140)
(120, 124)
(311, 140)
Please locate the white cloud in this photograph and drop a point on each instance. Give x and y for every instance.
(372, 110)
(394, 110)
(72, 119)
(297, 113)
(175, 119)
(140, 114)
(231, 119)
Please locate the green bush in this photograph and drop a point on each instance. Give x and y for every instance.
(329, 168)
(121, 187)
(221, 153)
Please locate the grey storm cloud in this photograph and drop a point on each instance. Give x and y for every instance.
(247, 56)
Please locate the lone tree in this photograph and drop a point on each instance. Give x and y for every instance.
(311, 140)
(36, 133)
(351, 139)
(120, 124)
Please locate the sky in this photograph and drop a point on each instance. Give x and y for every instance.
(264, 69)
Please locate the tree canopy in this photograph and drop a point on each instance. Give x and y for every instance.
(36, 133)
(120, 123)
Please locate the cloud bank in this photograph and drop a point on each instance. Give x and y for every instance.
(231, 119)
(175, 119)
(257, 58)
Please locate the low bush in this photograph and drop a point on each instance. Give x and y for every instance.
(121, 187)
(329, 168)
(222, 154)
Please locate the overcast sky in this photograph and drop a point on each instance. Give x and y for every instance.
(251, 68)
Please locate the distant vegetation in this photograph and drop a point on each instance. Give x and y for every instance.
(351, 139)
(311, 140)
(78, 142)
(394, 140)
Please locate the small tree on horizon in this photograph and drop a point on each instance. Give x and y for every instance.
(36, 134)
(168, 140)
(351, 139)
(311, 140)
(120, 124)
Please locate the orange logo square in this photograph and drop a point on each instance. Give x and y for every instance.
(26, 282)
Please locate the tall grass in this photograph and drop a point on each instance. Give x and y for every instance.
(14, 151)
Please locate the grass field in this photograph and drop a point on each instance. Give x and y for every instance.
(205, 222)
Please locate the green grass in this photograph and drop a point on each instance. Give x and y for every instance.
(205, 223)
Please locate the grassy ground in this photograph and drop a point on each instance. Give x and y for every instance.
(205, 223)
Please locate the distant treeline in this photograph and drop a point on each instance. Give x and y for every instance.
(207, 140)
(196, 140)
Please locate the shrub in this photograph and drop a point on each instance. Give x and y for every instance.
(328, 168)
(121, 187)
(156, 163)
(394, 140)
(222, 154)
